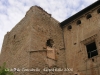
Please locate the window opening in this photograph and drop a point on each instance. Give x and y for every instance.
(50, 42)
(88, 16)
(98, 11)
(78, 22)
(69, 27)
(14, 36)
(91, 50)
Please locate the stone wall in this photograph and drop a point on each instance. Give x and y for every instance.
(43, 28)
(25, 45)
(76, 37)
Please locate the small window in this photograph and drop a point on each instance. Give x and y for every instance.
(88, 16)
(98, 11)
(78, 22)
(92, 60)
(50, 42)
(69, 27)
(14, 36)
(91, 50)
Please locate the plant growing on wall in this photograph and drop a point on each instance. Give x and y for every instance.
(3, 70)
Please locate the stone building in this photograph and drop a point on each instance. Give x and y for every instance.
(40, 45)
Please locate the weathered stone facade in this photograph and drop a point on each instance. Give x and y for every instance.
(40, 42)
(79, 33)
(25, 45)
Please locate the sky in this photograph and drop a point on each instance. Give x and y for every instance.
(12, 11)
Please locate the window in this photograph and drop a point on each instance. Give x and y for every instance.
(78, 22)
(88, 16)
(14, 36)
(50, 42)
(91, 50)
(92, 60)
(69, 27)
(98, 11)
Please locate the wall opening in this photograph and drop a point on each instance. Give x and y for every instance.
(98, 11)
(91, 50)
(14, 36)
(92, 60)
(88, 16)
(51, 53)
(50, 43)
(69, 27)
(78, 22)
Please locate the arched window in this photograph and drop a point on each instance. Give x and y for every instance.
(88, 16)
(78, 22)
(98, 11)
(69, 27)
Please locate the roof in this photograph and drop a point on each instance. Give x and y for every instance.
(80, 13)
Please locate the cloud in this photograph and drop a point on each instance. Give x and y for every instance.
(12, 11)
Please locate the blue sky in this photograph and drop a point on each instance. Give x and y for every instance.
(12, 11)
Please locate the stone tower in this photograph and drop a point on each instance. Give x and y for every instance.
(35, 42)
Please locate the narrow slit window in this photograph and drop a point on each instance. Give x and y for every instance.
(91, 50)
(14, 36)
(88, 16)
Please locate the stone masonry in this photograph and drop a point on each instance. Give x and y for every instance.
(25, 45)
(41, 43)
